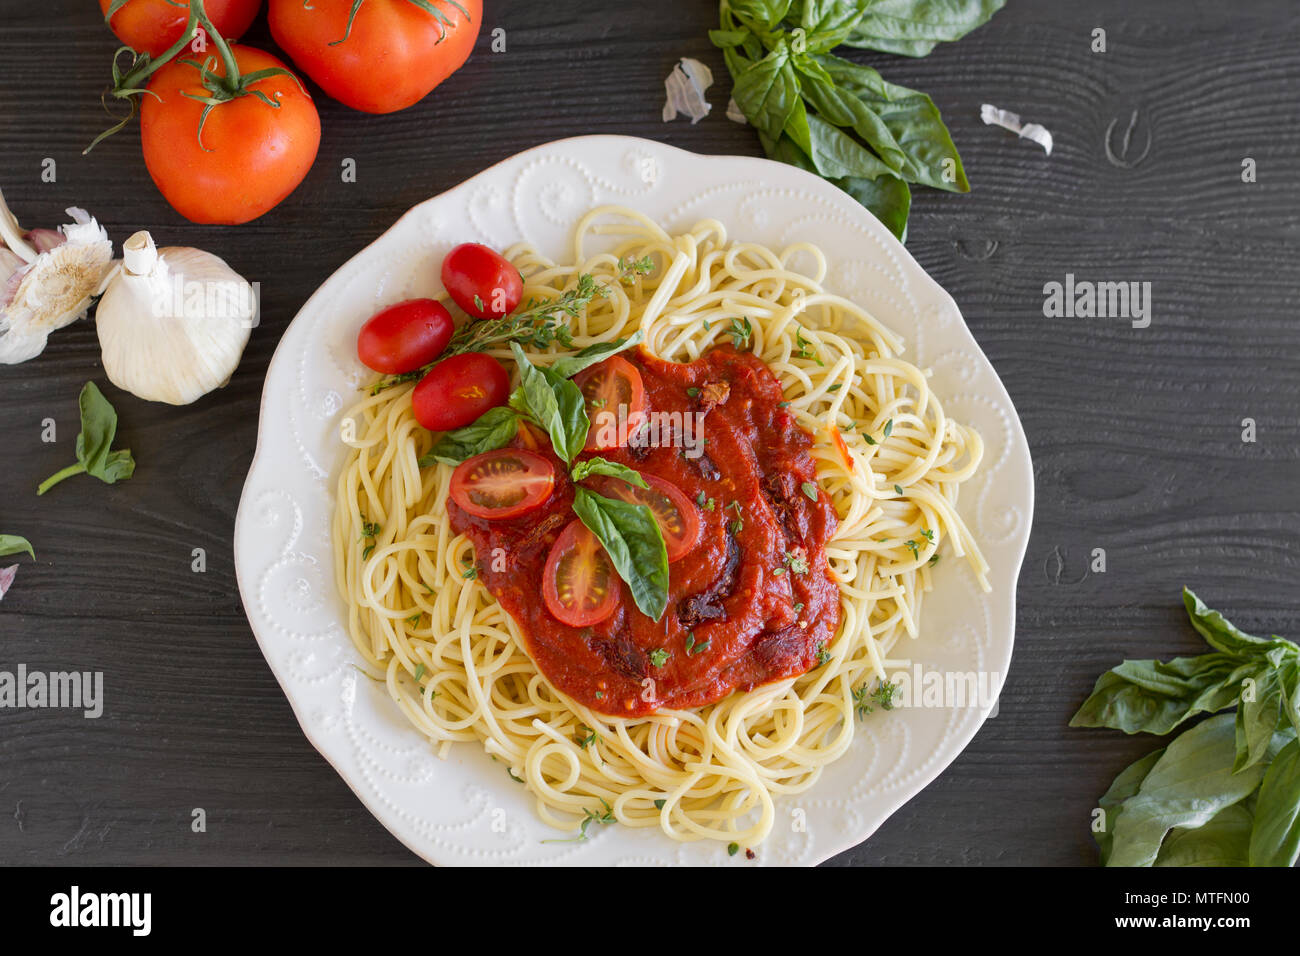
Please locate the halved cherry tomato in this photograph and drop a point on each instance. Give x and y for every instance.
(614, 394)
(579, 583)
(482, 281)
(405, 336)
(458, 390)
(678, 518)
(502, 483)
(151, 26)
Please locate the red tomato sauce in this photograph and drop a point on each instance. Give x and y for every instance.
(741, 598)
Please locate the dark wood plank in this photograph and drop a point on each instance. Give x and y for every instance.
(1135, 433)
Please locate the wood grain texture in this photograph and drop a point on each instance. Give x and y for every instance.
(1136, 434)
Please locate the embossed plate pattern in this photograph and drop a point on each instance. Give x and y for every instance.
(465, 809)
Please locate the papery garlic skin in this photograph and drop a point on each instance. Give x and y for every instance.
(173, 322)
(54, 284)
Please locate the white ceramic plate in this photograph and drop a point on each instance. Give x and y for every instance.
(465, 809)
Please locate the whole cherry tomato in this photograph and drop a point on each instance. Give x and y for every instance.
(151, 26)
(249, 154)
(482, 281)
(403, 337)
(458, 390)
(377, 56)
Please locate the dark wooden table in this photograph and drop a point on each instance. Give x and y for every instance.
(1136, 434)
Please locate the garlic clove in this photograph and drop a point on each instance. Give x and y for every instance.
(173, 322)
(55, 286)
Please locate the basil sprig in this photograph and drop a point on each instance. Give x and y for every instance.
(839, 119)
(95, 454)
(635, 545)
(629, 533)
(1225, 792)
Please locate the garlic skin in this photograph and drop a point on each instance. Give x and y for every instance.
(173, 322)
(47, 279)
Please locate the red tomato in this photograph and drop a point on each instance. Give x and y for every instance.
(151, 26)
(579, 583)
(482, 281)
(677, 517)
(251, 156)
(502, 483)
(458, 390)
(615, 395)
(393, 55)
(405, 336)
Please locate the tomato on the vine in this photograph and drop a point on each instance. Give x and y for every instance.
(246, 157)
(377, 56)
(151, 26)
(482, 281)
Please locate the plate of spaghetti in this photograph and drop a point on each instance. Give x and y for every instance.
(628, 506)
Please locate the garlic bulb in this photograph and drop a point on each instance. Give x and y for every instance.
(47, 279)
(173, 322)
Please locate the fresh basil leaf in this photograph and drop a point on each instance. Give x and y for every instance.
(1187, 787)
(1155, 697)
(766, 13)
(837, 155)
(635, 545)
(601, 466)
(1223, 841)
(567, 366)
(913, 27)
(1258, 716)
(15, 544)
(1224, 636)
(911, 118)
(840, 107)
(728, 38)
(554, 403)
(1291, 683)
(767, 92)
(98, 429)
(1122, 787)
(117, 467)
(494, 429)
(827, 23)
(1275, 838)
(888, 198)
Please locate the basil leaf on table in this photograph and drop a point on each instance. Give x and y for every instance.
(766, 13)
(1122, 787)
(1225, 636)
(767, 92)
(1275, 838)
(912, 120)
(635, 545)
(1190, 783)
(913, 27)
(494, 429)
(567, 366)
(554, 403)
(15, 544)
(1155, 697)
(95, 455)
(601, 466)
(1223, 841)
(887, 197)
(1257, 717)
(826, 23)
